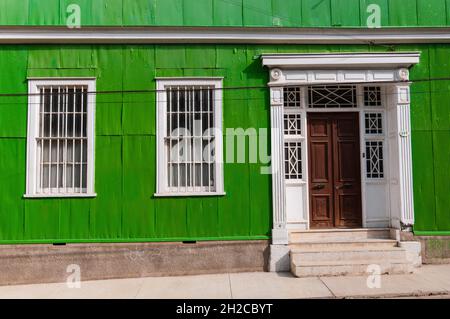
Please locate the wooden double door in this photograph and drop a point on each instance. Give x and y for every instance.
(334, 170)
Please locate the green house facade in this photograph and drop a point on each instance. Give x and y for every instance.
(222, 120)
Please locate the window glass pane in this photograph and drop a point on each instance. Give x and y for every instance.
(62, 140)
(190, 114)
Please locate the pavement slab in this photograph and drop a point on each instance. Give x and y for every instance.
(188, 287)
(430, 281)
(276, 286)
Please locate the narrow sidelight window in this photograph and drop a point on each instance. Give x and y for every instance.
(189, 137)
(60, 138)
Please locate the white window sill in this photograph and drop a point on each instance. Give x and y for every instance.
(189, 194)
(60, 196)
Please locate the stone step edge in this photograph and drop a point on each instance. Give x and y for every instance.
(345, 249)
(346, 263)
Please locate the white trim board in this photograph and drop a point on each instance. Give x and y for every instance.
(34, 102)
(342, 60)
(29, 34)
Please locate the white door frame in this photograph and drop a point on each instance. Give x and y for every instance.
(387, 69)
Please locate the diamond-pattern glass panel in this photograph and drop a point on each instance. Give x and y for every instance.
(293, 160)
(372, 96)
(292, 97)
(374, 123)
(374, 159)
(332, 96)
(292, 124)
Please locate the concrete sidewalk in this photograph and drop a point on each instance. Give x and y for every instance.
(428, 281)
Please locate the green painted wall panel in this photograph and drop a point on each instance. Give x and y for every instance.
(44, 57)
(237, 203)
(171, 217)
(44, 12)
(207, 54)
(259, 187)
(139, 12)
(431, 12)
(424, 182)
(109, 105)
(228, 13)
(138, 75)
(77, 57)
(13, 62)
(421, 106)
(106, 219)
(41, 219)
(287, 13)
(257, 13)
(75, 218)
(447, 2)
(169, 12)
(402, 13)
(170, 57)
(348, 17)
(138, 207)
(12, 183)
(14, 12)
(195, 17)
(316, 13)
(441, 153)
(440, 68)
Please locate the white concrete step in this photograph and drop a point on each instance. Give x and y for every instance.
(344, 254)
(345, 244)
(327, 235)
(343, 268)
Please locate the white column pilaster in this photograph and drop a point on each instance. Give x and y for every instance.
(402, 91)
(279, 231)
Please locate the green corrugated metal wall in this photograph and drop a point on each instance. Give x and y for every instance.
(125, 144)
(285, 13)
(125, 147)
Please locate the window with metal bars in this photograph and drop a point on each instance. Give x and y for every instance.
(60, 139)
(191, 160)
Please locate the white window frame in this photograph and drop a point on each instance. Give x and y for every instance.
(33, 132)
(161, 120)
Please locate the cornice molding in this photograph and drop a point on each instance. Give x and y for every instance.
(19, 35)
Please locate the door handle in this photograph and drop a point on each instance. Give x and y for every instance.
(345, 185)
(319, 187)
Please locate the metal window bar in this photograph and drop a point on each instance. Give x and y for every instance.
(292, 97)
(189, 114)
(374, 159)
(374, 123)
(332, 96)
(372, 96)
(62, 140)
(293, 160)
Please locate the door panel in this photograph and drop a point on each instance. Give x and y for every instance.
(321, 172)
(335, 176)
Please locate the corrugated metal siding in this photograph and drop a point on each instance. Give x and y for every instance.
(125, 144)
(266, 13)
